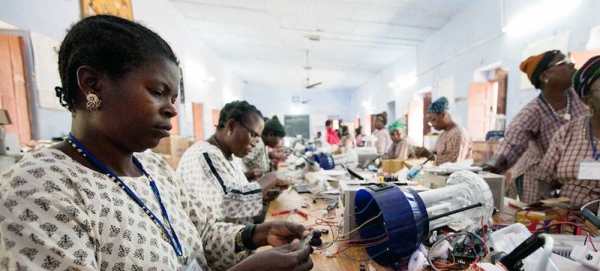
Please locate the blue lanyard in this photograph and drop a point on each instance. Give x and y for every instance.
(541, 97)
(172, 238)
(595, 153)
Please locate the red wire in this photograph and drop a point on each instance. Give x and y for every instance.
(591, 242)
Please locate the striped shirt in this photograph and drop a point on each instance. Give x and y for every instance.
(453, 146)
(528, 137)
(568, 148)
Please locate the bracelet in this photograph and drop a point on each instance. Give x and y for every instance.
(246, 235)
(239, 245)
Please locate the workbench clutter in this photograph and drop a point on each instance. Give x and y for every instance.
(546, 216)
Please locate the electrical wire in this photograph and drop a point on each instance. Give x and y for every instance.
(358, 228)
(429, 260)
(591, 242)
(589, 203)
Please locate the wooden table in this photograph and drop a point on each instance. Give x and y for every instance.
(290, 199)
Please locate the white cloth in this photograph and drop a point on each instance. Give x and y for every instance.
(57, 214)
(221, 184)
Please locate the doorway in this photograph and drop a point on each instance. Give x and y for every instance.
(14, 95)
(487, 105)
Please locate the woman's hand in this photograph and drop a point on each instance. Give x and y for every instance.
(280, 258)
(277, 233)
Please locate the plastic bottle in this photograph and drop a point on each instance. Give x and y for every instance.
(414, 171)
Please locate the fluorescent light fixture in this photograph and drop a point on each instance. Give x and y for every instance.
(539, 15)
(366, 104)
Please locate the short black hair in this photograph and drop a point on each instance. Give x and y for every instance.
(238, 111)
(110, 44)
(328, 122)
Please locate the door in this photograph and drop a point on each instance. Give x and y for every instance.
(480, 107)
(415, 121)
(198, 115)
(13, 87)
(215, 117)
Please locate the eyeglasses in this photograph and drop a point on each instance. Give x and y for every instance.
(566, 61)
(253, 134)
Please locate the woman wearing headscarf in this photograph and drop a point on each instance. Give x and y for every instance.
(400, 148)
(528, 135)
(454, 144)
(383, 136)
(575, 145)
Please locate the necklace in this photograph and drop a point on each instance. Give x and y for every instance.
(567, 115)
(168, 234)
(215, 142)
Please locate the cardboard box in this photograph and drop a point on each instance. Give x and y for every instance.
(172, 149)
(483, 151)
(536, 218)
(392, 165)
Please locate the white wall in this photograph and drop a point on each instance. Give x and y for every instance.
(53, 17)
(378, 93)
(473, 39)
(276, 100)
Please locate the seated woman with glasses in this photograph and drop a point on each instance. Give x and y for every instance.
(210, 172)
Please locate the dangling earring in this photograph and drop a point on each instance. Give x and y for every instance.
(546, 81)
(93, 102)
(229, 133)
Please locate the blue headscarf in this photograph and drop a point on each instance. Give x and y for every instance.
(440, 105)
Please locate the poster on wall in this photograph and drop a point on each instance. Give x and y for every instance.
(119, 8)
(557, 42)
(45, 56)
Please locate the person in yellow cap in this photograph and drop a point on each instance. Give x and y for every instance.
(528, 135)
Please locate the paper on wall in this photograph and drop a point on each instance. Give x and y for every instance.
(46, 76)
(594, 41)
(557, 42)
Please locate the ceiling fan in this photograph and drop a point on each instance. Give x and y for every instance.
(308, 68)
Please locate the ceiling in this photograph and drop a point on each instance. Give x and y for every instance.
(265, 41)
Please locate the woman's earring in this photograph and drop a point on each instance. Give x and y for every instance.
(546, 81)
(93, 102)
(229, 133)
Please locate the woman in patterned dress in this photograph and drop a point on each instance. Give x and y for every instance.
(528, 136)
(454, 144)
(575, 145)
(209, 170)
(400, 148)
(98, 201)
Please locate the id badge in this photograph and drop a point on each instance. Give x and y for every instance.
(589, 170)
(192, 265)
